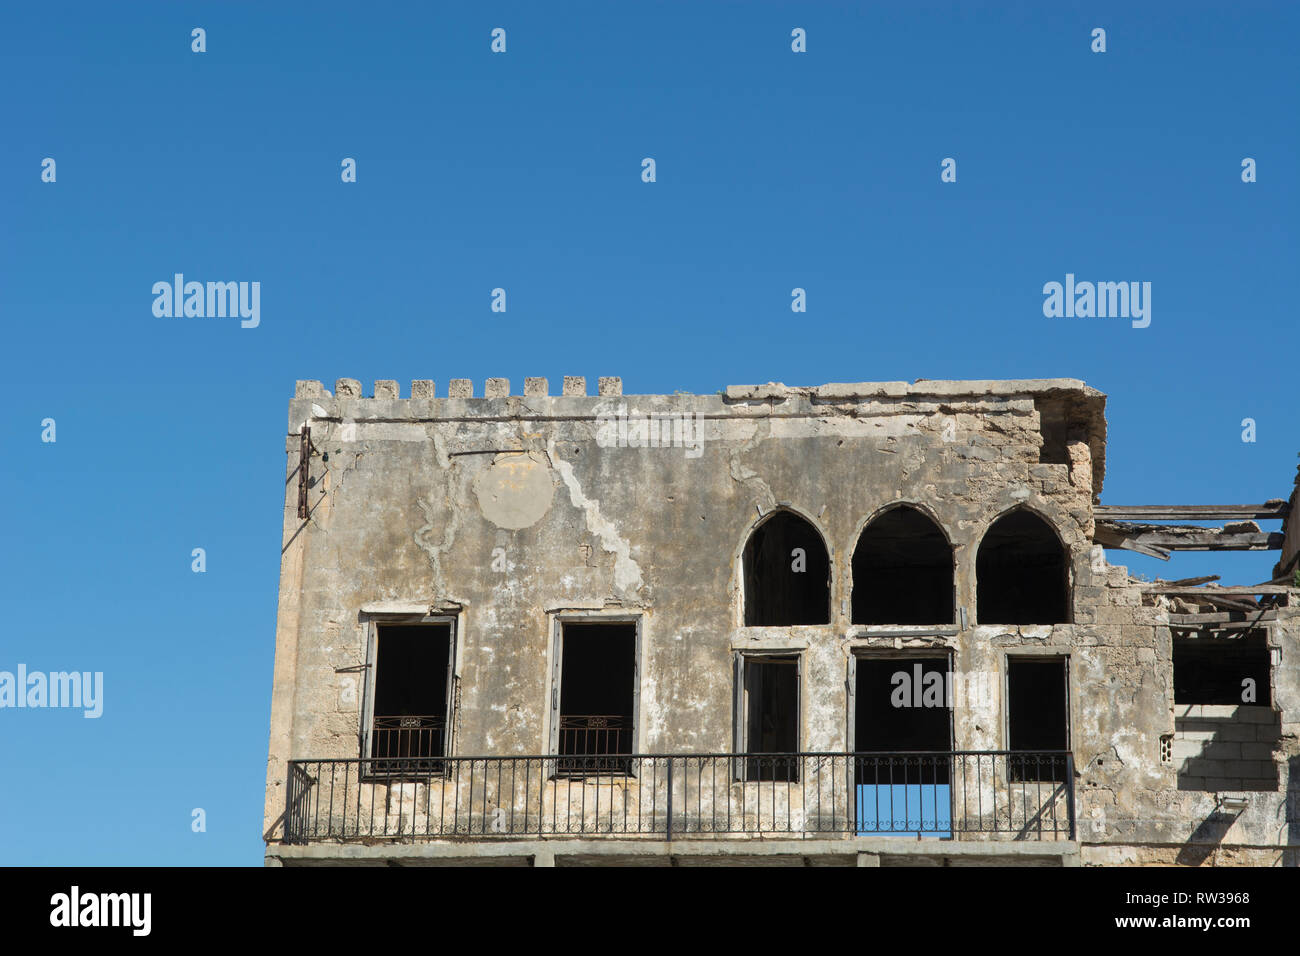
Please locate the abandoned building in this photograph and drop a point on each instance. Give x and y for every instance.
(855, 624)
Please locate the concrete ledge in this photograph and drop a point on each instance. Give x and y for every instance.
(870, 851)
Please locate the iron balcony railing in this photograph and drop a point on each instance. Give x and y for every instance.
(958, 795)
(408, 736)
(595, 743)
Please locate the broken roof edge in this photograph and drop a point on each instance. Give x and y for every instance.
(1289, 561)
(921, 388)
(1087, 404)
(612, 387)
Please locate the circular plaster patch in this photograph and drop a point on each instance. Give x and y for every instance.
(515, 491)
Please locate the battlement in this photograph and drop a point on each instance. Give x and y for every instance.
(1052, 412)
(573, 385)
(576, 386)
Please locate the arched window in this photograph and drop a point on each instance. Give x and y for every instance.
(787, 574)
(1020, 573)
(902, 571)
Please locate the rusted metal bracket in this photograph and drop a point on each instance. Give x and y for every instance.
(304, 468)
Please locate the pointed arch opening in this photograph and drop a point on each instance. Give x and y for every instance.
(902, 570)
(1021, 572)
(787, 574)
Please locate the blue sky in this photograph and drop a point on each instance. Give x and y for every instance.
(522, 170)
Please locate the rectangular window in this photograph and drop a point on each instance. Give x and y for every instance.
(1225, 730)
(1222, 671)
(411, 691)
(902, 739)
(595, 696)
(769, 716)
(1038, 720)
(903, 705)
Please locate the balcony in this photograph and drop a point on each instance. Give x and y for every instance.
(405, 744)
(961, 795)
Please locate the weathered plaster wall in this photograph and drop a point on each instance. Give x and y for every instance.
(410, 497)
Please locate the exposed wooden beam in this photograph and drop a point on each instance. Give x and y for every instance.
(1220, 618)
(1188, 582)
(1231, 603)
(1129, 544)
(1121, 534)
(1274, 508)
(1211, 540)
(1217, 589)
(1231, 626)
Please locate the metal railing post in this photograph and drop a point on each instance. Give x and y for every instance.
(288, 805)
(1069, 790)
(670, 801)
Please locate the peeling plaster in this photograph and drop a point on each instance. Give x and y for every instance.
(422, 536)
(627, 574)
(743, 474)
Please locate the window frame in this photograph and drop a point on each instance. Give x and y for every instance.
(373, 626)
(911, 654)
(742, 588)
(1067, 567)
(555, 683)
(860, 532)
(1063, 658)
(740, 704)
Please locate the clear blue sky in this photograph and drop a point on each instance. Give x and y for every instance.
(775, 170)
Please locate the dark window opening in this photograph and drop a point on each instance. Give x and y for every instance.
(787, 574)
(1226, 734)
(597, 697)
(1053, 418)
(1021, 573)
(902, 705)
(409, 726)
(1216, 670)
(1038, 718)
(771, 717)
(902, 571)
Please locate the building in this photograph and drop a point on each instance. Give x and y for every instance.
(862, 624)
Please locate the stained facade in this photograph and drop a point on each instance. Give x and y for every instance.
(866, 623)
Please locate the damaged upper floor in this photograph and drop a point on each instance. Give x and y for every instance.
(1062, 412)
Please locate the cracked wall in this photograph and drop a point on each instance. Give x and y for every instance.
(508, 512)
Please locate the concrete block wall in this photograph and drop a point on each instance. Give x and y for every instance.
(1226, 747)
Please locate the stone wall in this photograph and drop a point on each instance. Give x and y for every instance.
(1290, 559)
(509, 513)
